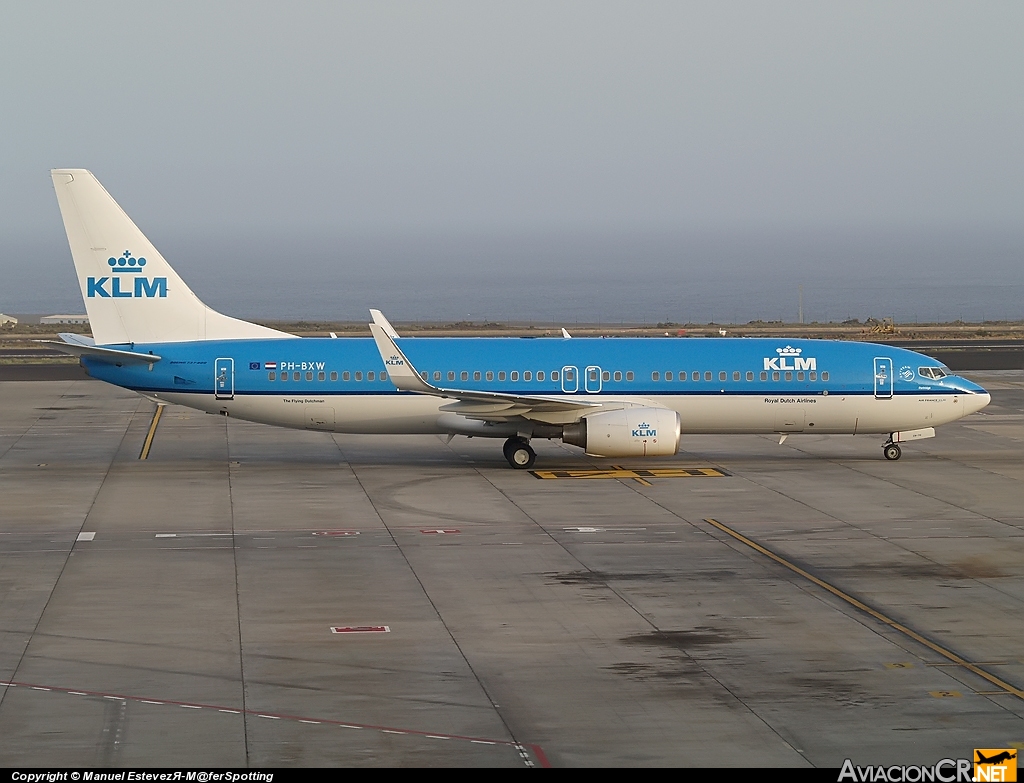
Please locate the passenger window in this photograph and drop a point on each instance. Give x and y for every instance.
(618, 375)
(799, 376)
(271, 376)
(321, 376)
(527, 376)
(764, 375)
(284, 376)
(295, 376)
(345, 376)
(789, 376)
(490, 375)
(722, 376)
(437, 375)
(476, 375)
(750, 375)
(775, 375)
(451, 375)
(540, 375)
(682, 375)
(309, 376)
(370, 376)
(814, 376)
(629, 375)
(707, 376)
(359, 376)
(569, 375)
(655, 376)
(736, 375)
(554, 375)
(606, 376)
(334, 376)
(464, 375)
(668, 375)
(593, 375)
(424, 374)
(824, 375)
(695, 376)
(383, 375)
(501, 375)
(514, 375)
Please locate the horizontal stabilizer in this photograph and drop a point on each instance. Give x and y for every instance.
(79, 345)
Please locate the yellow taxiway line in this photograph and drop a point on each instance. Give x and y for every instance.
(148, 443)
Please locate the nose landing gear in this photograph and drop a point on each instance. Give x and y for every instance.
(519, 453)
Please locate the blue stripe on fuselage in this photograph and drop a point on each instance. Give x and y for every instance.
(850, 367)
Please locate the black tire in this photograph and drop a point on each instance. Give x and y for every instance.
(520, 456)
(511, 443)
(891, 451)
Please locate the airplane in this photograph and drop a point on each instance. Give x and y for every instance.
(1006, 755)
(619, 397)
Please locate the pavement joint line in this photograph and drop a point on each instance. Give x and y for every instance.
(535, 749)
(437, 612)
(85, 520)
(883, 618)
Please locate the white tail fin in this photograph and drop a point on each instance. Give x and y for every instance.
(131, 293)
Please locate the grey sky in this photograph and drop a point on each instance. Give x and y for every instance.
(332, 119)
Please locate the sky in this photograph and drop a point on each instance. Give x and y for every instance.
(530, 160)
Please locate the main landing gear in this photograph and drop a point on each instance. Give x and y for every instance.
(891, 451)
(519, 454)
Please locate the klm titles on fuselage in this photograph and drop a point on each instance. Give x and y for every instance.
(781, 362)
(141, 287)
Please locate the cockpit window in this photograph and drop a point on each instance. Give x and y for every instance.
(932, 372)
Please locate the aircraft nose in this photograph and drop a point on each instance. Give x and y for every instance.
(975, 402)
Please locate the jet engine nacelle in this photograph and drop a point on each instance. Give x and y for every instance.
(631, 432)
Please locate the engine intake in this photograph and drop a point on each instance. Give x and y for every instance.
(631, 432)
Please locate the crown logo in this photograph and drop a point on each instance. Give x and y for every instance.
(789, 350)
(644, 425)
(126, 263)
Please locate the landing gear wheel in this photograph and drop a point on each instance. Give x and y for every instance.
(891, 451)
(509, 445)
(519, 454)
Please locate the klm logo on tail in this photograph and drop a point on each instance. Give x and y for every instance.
(120, 283)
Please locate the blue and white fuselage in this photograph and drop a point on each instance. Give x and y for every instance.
(613, 397)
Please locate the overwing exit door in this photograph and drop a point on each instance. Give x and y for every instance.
(224, 379)
(883, 378)
(570, 380)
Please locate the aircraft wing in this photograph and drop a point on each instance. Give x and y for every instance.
(79, 345)
(474, 404)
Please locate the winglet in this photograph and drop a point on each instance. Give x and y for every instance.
(383, 323)
(566, 334)
(400, 370)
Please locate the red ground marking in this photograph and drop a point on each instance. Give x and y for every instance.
(360, 629)
(432, 532)
(536, 749)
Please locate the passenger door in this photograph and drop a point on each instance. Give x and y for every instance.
(883, 378)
